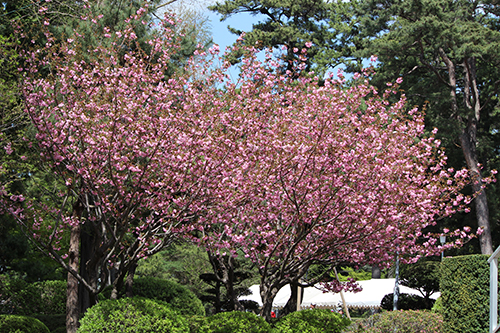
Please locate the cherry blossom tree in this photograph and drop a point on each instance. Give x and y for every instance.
(325, 175)
(125, 150)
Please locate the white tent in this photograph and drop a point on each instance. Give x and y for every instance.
(370, 297)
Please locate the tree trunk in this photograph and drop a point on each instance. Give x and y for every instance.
(267, 293)
(72, 306)
(129, 282)
(480, 202)
(376, 272)
(217, 305)
(84, 295)
(234, 303)
(291, 304)
(468, 141)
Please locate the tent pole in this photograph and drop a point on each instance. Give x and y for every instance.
(346, 309)
(298, 297)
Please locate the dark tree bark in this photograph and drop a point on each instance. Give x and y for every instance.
(72, 308)
(468, 141)
(291, 304)
(376, 272)
(129, 282)
(224, 269)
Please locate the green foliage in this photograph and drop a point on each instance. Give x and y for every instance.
(21, 324)
(406, 302)
(438, 306)
(137, 315)
(43, 298)
(178, 296)
(196, 323)
(234, 322)
(364, 273)
(312, 321)
(465, 293)
(182, 263)
(402, 322)
(53, 322)
(423, 276)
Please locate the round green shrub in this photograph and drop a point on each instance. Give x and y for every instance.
(234, 322)
(405, 302)
(408, 321)
(312, 321)
(53, 297)
(179, 297)
(53, 322)
(197, 324)
(21, 324)
(132, 315)
(41, 298)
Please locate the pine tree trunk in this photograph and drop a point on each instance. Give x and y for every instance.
(480, 202)
(468, 140)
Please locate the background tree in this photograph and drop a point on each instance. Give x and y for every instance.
(422, 276)
(183, 263)
(293, 24)
(448, 64)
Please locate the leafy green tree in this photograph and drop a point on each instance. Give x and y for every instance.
(291, 24)
(230, 278)
(182, 263)
(447, 51)
(422, 276)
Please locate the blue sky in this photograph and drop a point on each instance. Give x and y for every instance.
(241, 21)
(221, 34)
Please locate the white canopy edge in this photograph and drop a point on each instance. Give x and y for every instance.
(370, 297)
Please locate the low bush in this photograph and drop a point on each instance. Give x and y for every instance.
(178, 296)
(40, 298)
(53, 322)
(312, 321)
(408, 321)
(234, 322)
(21, 324)
(196, 323)
(132, 315)
(406, 302)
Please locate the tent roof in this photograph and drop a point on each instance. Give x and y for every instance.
(371, 295)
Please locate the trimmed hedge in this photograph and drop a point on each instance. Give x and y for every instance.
(233, 322)
(21, 324)
(465, 287)
(178, 296)
(408, 321)
(132, 315)
(312, 321)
